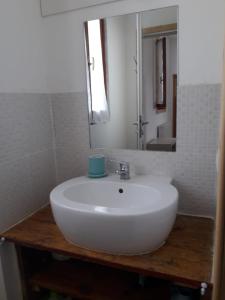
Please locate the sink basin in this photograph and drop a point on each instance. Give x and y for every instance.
(114, 216)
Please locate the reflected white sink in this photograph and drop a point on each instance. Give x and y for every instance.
(114, 216)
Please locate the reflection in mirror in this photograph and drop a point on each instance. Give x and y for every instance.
(131, 64)
(159, 61)
(112, 79)
(96, 55)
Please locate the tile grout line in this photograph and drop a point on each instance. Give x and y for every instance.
(53, 137)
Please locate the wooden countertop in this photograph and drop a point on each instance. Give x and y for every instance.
(186, 258)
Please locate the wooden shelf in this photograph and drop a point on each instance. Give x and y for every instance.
(94, 282)
(186, 258)
(159, 29)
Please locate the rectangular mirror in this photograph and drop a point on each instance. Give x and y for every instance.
(131, 63)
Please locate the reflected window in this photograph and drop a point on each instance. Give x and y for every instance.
(96, 69)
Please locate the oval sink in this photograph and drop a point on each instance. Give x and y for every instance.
(113, 216)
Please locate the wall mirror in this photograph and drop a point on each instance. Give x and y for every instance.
(131, 67)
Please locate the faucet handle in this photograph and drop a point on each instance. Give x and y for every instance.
(124, 171)
(124, 165)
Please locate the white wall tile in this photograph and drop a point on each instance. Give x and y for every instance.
(25, 186)
(25, 125)
(71, 162)
(71, 134)
(43, 177)
(26, 155)
(15, 192)
(71, 119)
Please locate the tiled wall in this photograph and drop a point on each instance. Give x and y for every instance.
(26, 155)
(46, 137)
(71, 134)
(192, 166)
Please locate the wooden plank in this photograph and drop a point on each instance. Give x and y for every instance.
(159, 29)
(94, 282)
(185, 258)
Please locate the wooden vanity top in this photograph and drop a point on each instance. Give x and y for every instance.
(186, 258)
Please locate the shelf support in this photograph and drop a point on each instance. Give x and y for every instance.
(204, 287)
(2, 241)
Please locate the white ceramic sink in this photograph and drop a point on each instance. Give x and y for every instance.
(114, 216)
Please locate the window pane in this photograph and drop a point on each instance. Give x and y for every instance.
(98, 92)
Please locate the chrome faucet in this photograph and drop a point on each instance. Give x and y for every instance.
(124, 170)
